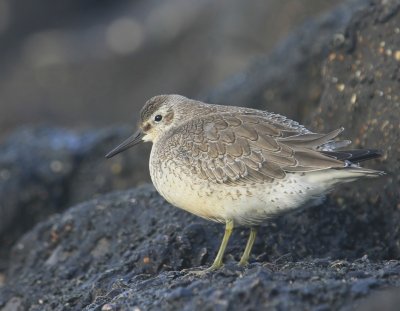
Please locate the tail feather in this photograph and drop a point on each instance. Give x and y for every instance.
(358, 171)
(342, 175)
(315, 153)
(356, 155)
(310, 140)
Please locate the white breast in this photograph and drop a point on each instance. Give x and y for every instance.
(218, 202)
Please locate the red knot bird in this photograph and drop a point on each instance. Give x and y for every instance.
(240, 166)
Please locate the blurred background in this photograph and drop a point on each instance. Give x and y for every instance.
(83, 68)
(92, 63)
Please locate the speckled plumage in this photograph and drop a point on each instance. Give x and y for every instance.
(240, 165)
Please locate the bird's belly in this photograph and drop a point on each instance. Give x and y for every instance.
(264, 201)
(246, 205)
(190, 194)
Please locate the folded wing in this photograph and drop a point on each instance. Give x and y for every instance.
(238, 149)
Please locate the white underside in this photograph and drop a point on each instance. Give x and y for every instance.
(249, 205)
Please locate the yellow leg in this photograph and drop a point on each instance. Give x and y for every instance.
(246, 254)
(218, 260)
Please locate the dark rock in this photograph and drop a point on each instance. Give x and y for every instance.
(386, 300)
(14, 304)
(44, 170)
(362, 94)
(289, 81)
(95, 174)
(362, 287)
(128, 250)
(125, 249)
(358, 274)
(61, 168)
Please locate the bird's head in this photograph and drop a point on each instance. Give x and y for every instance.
(158, 115)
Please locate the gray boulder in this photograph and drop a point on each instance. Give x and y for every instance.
(129, 249)
(44, 170)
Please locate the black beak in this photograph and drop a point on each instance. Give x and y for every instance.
(126, 144)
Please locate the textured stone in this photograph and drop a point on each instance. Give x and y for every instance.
(145, 246)
(128, 250)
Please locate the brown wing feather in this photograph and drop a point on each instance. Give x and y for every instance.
(236, 149)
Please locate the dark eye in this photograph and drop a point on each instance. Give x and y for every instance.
(158, 118)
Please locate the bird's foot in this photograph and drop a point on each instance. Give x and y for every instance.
(203, 272)
(243, 263)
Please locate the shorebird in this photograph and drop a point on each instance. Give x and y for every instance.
(240, 166)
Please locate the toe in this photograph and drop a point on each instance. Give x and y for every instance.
(204, 271)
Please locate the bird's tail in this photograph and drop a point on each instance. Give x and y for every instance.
(342, 175)
(352, 170)
(355, 155)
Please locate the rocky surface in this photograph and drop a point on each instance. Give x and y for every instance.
(129, 250)
(362, 79)
(44, 170)
(289, 80)
(55, 176)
